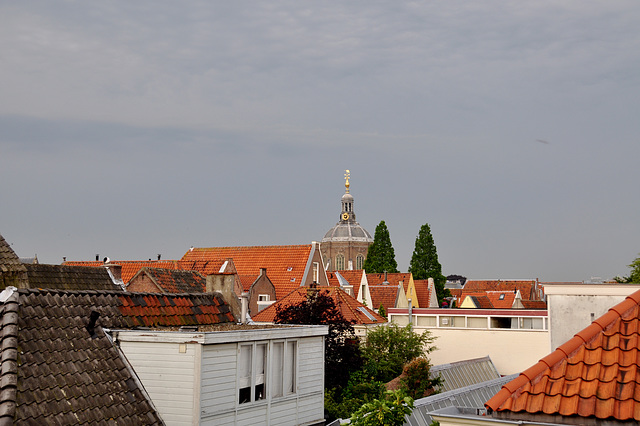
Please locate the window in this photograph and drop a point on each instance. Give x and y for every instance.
(359, 261)
(501, 296)
(316, 268)
(252, 363)
(263, 298)
(340, 262)
(284, 368)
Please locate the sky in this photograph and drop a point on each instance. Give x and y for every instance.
(132, 129)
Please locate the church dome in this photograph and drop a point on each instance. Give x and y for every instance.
(347, 231)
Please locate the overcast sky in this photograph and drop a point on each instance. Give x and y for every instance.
(129, 129)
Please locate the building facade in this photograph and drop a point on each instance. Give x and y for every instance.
(344, 247)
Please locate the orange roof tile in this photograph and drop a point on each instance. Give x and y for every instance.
(527, 287)
(392, 278)
(385, 295)
(423, 293)
(351, 309)
(594, 374)
(285, 265)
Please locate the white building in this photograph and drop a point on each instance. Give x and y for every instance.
(243, 376)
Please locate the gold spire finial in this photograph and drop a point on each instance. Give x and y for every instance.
(347, 175)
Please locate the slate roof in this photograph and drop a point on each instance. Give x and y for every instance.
(351, 309)
(54, 372)
(175, 280)
(595, 375)
(7, 255)
(69, 277)
(285, 265)
(129, 267)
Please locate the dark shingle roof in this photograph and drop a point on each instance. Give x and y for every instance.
(64, 277)
(7, 255)
(176, 281)
(63, 375)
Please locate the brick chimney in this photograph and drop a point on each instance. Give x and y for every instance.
(224, 284)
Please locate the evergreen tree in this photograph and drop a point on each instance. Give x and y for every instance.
(381, 257)
(424, 262)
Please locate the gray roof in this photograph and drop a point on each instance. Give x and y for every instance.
(464, 373)
(8, 258)
(69, 277)
(470, 397)
(348, 231)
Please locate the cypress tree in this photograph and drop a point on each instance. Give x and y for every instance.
(424, 262)
(381, 257)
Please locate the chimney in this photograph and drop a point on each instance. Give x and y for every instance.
(159, 256)
(97, 257)
(224, 284)
(385, 278)
(115, 273)
(263, 271)
(245, 307)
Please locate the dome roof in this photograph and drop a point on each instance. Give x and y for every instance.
(347, 231)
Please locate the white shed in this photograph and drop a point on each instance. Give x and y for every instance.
(243, 376)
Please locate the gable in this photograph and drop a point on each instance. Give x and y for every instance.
(286, 265)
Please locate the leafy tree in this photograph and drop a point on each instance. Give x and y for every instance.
(424, 262)
(388, 411)
(382, 311)
(342, 351)
(389, 347)
(634, 276)
(341, 404)
(381, 257)
(416, 380)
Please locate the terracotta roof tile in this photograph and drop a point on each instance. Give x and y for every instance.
(423, 292)
(129, 267)
(593, 375)
(529, 289)
(285, 265)
(384, 295)
(174, 280)
(351, 309)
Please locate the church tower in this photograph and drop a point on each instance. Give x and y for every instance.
(345, 245)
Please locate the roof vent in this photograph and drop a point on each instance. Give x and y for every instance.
(191, 328)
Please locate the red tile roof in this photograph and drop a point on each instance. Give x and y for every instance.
(392, 278)
(354, 277)
(534, 304)
(527, 287)
(285, 264)
(423, 293)
(594, 375)
(497, 299)
(350, 308)
(385, 295)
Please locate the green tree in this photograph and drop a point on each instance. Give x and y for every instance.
(389, 347)
(388, 411)
(342, 348)
(416, 379)
(634, 276)
(381, 257)
(424, 262)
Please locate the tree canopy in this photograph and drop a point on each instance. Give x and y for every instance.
(634, 274)
(342, 351)
(389, 347)
(381, 257)
(424, 262)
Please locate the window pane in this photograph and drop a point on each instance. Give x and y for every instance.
(277, 358)
(244, 374)
(261, 367)
(290, 367)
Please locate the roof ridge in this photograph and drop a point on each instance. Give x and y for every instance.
(512, 390)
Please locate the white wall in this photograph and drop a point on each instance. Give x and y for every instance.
(168, 377)
(573, 307)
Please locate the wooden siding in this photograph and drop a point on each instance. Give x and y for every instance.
(218, 396)
(168, 377)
